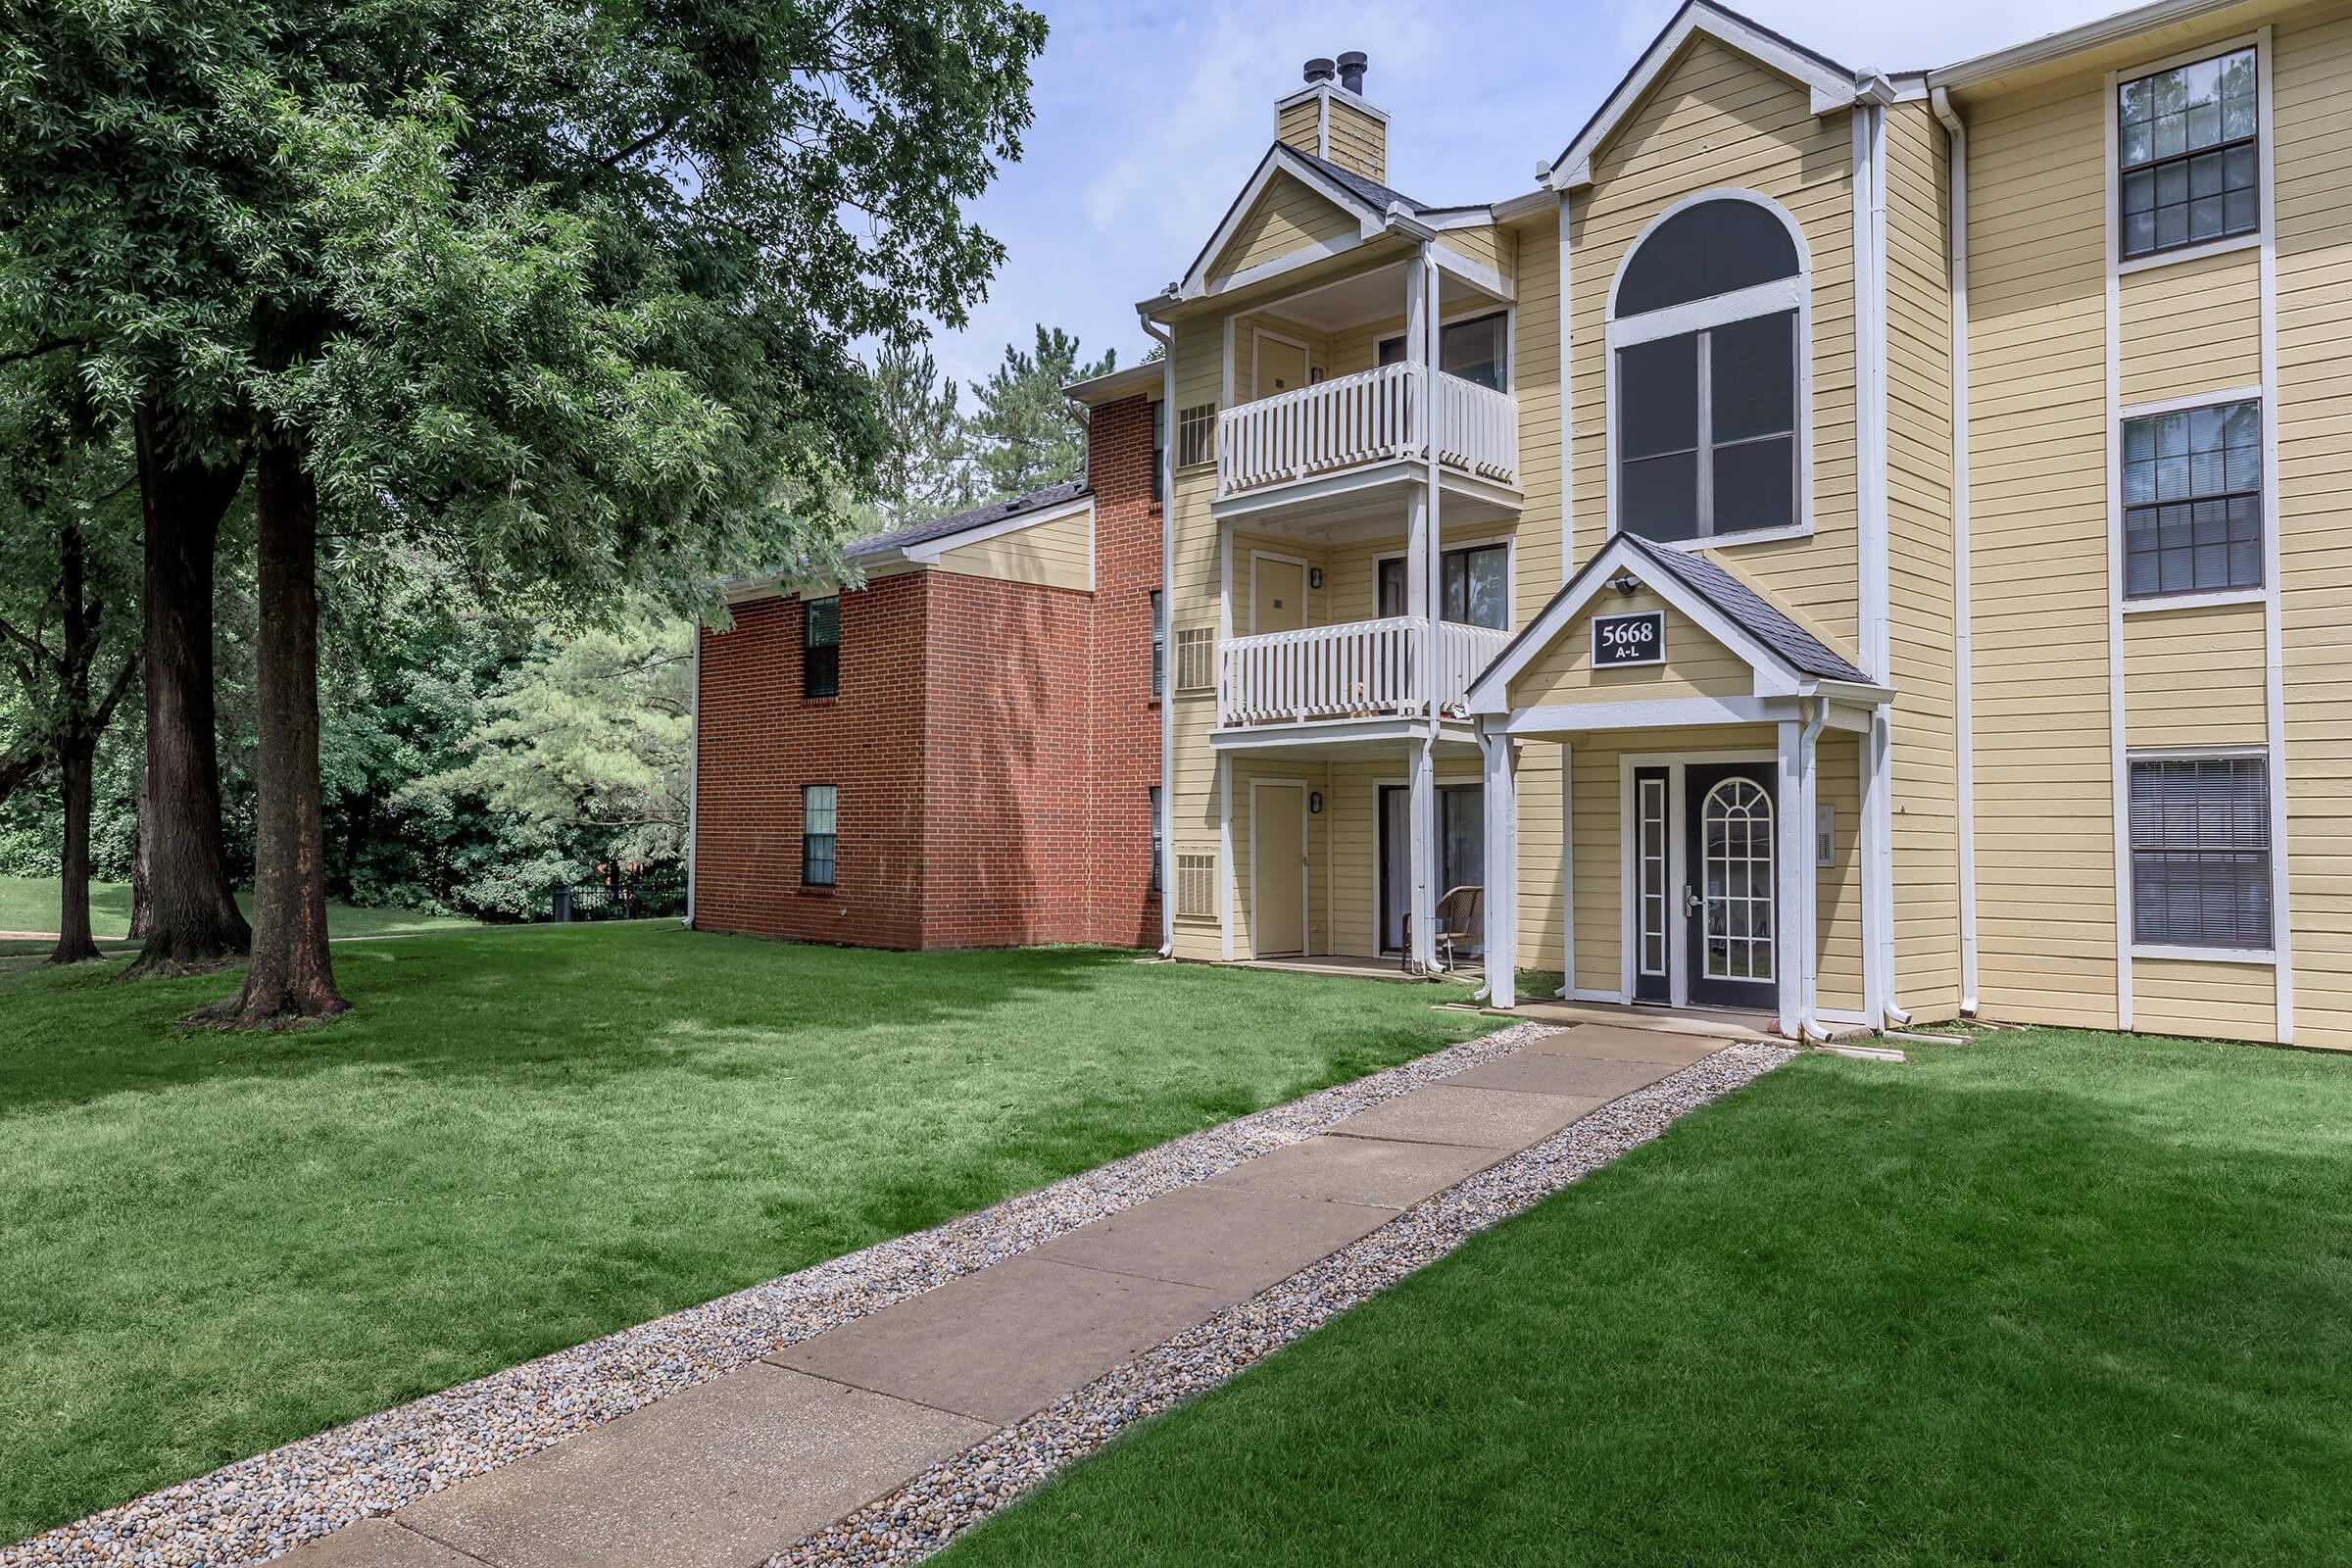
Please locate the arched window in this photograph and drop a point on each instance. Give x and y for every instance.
(1708, 335)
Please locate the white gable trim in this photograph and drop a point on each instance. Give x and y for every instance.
(1491, 692)
(1279, 160)
(1830, 90)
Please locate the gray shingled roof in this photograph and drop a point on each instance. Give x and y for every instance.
(923, 533)
(1750, 610)
(1365, 190)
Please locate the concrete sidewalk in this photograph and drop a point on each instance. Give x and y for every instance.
(727, 1473)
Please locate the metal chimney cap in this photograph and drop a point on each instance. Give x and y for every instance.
(1352, 71)
(1320, 70)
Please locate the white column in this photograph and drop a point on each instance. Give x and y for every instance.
(1424, 814)
(1795, 875)
(1502, 870)
(1225, 876)
(1878, 915)
(1567, 869)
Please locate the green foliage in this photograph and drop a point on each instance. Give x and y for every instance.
(1026, 433)
(927, 463)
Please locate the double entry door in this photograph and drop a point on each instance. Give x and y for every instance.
(1705, 905)
(1461, 852)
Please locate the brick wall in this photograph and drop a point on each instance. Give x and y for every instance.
(994, 744)
(759, 741)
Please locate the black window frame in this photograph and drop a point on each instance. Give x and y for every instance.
(1705, 449)
(831, 842)
(820, 661)
(2155, 163)
(1160, 644)
(1382, 357)
(1158, 839)
(1160, 450)
(2235, 501)
(2175, 901)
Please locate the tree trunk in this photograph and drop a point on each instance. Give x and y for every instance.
(193, 919)
(74, 941)
(138, 864)
(290, 979)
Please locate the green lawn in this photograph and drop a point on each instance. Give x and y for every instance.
(521, 1139)
(2049, 1298)
(30, 903)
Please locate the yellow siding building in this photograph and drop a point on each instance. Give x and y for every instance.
(1854, 548)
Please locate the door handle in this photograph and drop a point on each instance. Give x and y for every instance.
(1690, 900)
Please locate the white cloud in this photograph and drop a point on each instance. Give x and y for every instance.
(1149, 117)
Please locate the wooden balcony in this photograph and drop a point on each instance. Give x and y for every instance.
(1364, 423)
(1357, 669)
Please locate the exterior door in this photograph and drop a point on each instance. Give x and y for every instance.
(1277, 595)
(1461, 855)
(1730, 887)
(1281, 367)
(1278, 869)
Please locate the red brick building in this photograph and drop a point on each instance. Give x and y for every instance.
(962, 753)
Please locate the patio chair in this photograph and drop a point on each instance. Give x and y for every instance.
(1457, 916)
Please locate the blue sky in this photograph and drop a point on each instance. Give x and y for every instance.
(1149, 117)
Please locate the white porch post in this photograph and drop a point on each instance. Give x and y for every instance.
(1225, 876)
(1567, 869)
(1502, 870)
(1424, 814)
(1877, 913)
(1795, 874)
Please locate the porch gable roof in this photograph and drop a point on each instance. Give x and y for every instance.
(1725, 604)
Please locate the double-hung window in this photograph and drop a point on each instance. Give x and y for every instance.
(1158, 842)
(1707, 338)
(819, 827)
(1477, 349)
(820, 648)
(2185, 150)
(1160, 449)
(2192, 501)
(2201, 851)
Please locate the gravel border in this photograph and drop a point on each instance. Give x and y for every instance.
(259, 1507)
(921, 1517)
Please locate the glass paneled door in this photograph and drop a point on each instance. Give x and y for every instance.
(1729, 889)
(1461, 855)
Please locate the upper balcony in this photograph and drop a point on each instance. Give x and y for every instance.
(1356, 426)
(1392, 668)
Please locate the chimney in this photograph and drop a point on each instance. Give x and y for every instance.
(1330, 118)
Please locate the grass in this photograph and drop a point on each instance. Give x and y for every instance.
(2049, 1298)
(525, 1138)
(30, 903)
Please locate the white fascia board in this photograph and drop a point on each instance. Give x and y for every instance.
(1491, 692)
(2055, 46)
(1830, 90)
(1332, 92)
(927, 553)
(1478, 274)
(1666, 713)
(1279, 160)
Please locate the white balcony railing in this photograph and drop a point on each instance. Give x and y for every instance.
(1357, 421)
(1358, 669)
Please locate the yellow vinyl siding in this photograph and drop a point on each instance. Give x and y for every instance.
(2310, 56)
(1837, 887)
(1920, 584)
(1059, 554)
(1244, 349)
(1696, 665)
(2190, 327)
(1192, 595)
(2210, 1000)
(1537, 568)
(1358, 142)
(2195, 677)
(1287, 217)
(1717, 118)
(2044, 783)
(1300, 126)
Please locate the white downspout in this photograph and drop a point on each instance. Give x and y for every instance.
(1167, 631)
(1964, 638)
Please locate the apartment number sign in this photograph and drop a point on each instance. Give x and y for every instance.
(1622, 640)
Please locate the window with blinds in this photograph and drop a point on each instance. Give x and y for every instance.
(1196, 434)
(2201, 851)
(1195, 885)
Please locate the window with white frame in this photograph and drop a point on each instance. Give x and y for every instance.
(1706, 343)
(2185, 154)
(1158, 843)
(2201, 851)
(2192, 501)
(818, 828)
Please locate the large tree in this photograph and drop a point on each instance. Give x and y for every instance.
(927, 464)
(567, 293)
(1027, 433)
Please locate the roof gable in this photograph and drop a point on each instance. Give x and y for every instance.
(1294, 207)
(1832, 85)
(1730, 612)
